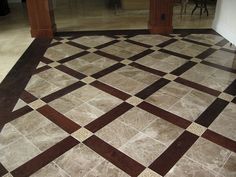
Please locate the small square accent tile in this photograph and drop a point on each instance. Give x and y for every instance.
(196, 129)
(64, 40)
(155, 48)
(126, 62)
(54, 64)
(121, 38)
(134, 100)
(170, 77)
(216, 47)
(41, 64)
(196, 60)
(178, 38)
(226, 96)
(92, 50)
(37, 104)
(149, 173)
(82, 134)
(88, 80)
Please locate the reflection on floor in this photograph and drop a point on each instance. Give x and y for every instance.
(127, 105)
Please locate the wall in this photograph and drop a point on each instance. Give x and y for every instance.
(225, 19)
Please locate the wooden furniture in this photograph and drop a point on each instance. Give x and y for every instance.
(160, 17)
(202, 5)
(135, 4)
(4, 8)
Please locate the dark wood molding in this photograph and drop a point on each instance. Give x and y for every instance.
(160, 16)
(41, 18)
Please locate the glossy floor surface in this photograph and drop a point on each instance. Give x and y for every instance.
(126, 105)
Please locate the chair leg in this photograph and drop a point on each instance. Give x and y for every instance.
(196, 6)
(205, 6)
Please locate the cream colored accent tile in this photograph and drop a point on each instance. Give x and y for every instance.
(41, 64)
(8, 175)
(64, 40)
(196, 60)
(88, 80)
(37, 104)
(178, 38)
(54, 64)
(170, 77)
(155, 48)
(216, 47)
(196, 129)
(92, 50)
(134, 100)
(149, 173)
(121, 38)
(226, 96)
(126, 62)
(82, 134)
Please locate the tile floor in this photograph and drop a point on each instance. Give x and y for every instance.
(126, 105)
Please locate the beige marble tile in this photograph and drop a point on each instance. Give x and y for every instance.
(47, 136)
(106, 169)
(17, 153)
(54, 64)
(149, 173)
(93, 41)
(226, 97)
(82, 134)
(196, 129)
(230, 110)
(37, 104)
(50, 170)
(116, 133)
(86, 92)
(163, 131)
(40, 87)
(150, 39)
(143, 149)
(66, 103)
(126, 62)
(8, 135)
(186, 167)
(229, 169)
(170, 77)
(79, 160)
(105, 102)
(61, 51)
(88, 80)
(192, 105)
(20, 104)
(134, 100)
(57, 77)
(162, 100)
(30, 122)
(137, 118)
(208, 154)
(205, 38)
(84, 114)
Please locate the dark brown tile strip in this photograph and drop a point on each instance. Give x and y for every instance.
(54, 44)
(138, 43)
(166, 43)
(108, 89)
(172, 118)
(198, 86)
(113, 57)
(41, 69)
(45, 157)
(185, 32)
(20, 112)
(62, 92)
(211, 113)
(175, 54)
(150, 70)
(234, 100)
(3, 170)
(231, 89)
(17, 79)
(197, 42)
(107, 44)
(64, 60)
(108, 117)
(77, 45)
(220, 140)
(66, 124)
(46, 60)
(27, 97)
(108, 70)
(206, 53)
(142, 54)
(222, 43)
(183, 68)
(119, 159)
(173, 153)
(219, 66)
(152, 88)
(71, 72)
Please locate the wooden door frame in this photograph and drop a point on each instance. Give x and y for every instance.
(42, 21)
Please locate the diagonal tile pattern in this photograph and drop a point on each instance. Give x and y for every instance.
(126, 105)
